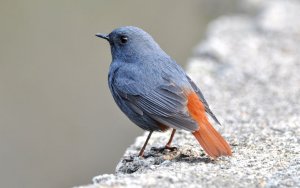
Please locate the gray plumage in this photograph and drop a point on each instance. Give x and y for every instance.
(148, 86)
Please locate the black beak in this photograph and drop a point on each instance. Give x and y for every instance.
(104, 36)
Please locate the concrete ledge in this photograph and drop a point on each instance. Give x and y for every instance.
(249, 70)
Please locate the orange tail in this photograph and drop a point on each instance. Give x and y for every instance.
(210, 140)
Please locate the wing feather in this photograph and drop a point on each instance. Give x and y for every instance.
(165, 104)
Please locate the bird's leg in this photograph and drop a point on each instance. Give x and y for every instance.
(168, 145)
(145, 144)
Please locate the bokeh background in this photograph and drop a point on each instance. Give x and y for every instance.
(59, 125)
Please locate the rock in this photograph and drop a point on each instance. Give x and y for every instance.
(249, 70)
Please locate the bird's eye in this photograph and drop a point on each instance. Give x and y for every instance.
(123, 39)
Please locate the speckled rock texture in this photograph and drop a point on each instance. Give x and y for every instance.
(248, 67)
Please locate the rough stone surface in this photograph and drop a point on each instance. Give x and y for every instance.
(249, 70)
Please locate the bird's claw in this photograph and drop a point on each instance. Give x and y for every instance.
(162, 149)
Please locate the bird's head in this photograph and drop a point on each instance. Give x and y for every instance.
(129, 43)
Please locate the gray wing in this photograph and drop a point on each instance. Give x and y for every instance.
(201, 97)
(166, 103)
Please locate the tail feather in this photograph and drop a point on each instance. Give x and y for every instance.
(210, 140)
(213, 144)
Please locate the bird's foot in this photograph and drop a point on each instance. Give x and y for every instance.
(162, 149)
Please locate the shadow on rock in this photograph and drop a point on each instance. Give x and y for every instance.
(158, 157)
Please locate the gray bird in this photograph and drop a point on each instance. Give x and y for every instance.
(155, 93)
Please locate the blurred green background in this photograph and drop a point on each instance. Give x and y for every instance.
(59, 125)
